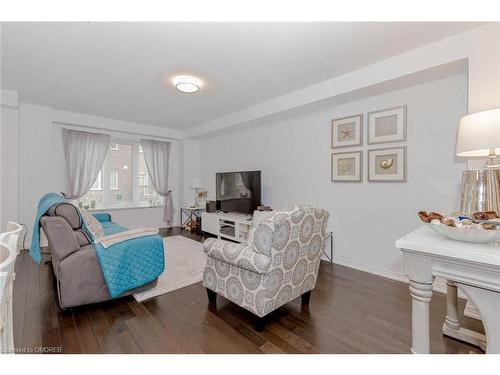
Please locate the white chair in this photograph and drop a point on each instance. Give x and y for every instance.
(12, 236)
(10, 244)
(7, 260)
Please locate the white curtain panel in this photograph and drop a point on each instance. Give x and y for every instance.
(84, 153)
(157, 154)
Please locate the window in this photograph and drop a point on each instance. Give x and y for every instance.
(97, 184)
(143, 179)
(123, 180)
(113, 185)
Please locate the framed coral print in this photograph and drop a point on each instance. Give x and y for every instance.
(388, 125)
(347, 131)
(387, 164)
(346, 166)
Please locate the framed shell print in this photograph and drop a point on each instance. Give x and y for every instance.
(387, 164)
(347, 131)
(346, 166)
(388, 125)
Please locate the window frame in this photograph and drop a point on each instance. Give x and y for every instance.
(146, 181)
(99, 182)
(114, 172)
(106, 187)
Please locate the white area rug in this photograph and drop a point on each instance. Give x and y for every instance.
(184, 265)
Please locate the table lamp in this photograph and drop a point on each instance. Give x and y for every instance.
(479, 136)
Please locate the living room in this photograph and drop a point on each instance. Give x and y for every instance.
(165, 191)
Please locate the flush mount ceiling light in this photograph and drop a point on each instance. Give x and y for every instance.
(187, 84)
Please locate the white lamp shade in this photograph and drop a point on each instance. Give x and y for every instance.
(196, 183)
(479, 134)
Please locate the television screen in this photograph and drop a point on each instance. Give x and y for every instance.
(238, 191)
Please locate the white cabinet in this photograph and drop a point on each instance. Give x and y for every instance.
(209, 222)
(231, 226)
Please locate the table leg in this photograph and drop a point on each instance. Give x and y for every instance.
(451, 320)
(451, 326)
(488, 305)
(421, 294)
(331, 248)
(330, 258)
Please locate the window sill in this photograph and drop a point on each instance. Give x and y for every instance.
(119, 208)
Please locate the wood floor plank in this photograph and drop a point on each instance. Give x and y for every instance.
(303, 346)
(167, 338)
(69, 334)
(178, 322)
(33, 318)
(86, 336)
(19, 297)
(147, 339)
(102, 331)
(51, 336)
(350, 312)
(269, 348)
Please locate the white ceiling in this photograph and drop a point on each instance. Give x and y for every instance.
(122, 70)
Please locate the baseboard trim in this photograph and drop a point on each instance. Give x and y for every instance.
(371, 269)
(439, 284)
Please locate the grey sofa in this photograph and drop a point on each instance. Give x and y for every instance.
(279, 262)
(79, 277)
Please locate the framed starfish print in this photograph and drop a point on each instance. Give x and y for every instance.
(347, 131)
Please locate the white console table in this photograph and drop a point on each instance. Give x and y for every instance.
(231, 226)
(474, 268)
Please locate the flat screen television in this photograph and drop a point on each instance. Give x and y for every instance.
(238, 191)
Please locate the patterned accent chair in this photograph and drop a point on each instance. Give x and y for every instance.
(279, 262)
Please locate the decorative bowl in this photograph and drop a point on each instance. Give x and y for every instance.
(466, 234)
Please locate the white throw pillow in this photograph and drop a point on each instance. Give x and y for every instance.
(92, 224)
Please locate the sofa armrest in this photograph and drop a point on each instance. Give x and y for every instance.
(80, 279)
(62, 240)
(237, 254)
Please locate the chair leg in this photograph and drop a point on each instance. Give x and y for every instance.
(305, 298)
(212, 297)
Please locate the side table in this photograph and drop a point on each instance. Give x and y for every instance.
(189, 213)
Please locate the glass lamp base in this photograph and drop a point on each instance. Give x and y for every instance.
(480, 191)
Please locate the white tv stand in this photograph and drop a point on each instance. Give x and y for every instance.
(231, 226)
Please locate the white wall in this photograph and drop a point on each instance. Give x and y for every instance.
(9, 154)
(191, 168)
(294, 156)
(42, 165)
(35, 160)
(480, 47)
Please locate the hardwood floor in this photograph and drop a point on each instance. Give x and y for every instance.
(350, 312)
